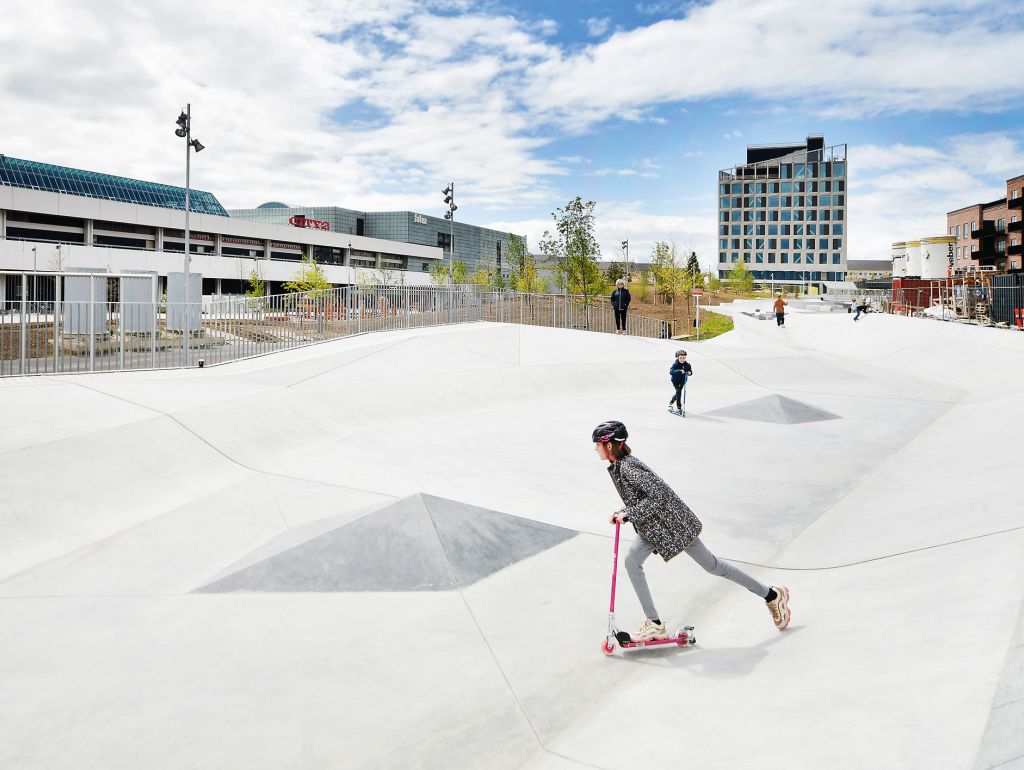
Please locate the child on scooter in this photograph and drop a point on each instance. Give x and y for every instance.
(680, 372)
(665, 525)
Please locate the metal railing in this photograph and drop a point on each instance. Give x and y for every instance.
(44, 331)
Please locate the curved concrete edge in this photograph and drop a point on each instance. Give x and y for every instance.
(1003, 743)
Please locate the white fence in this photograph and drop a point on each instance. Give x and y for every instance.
(44, 333)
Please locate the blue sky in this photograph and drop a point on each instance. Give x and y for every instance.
(526, 104)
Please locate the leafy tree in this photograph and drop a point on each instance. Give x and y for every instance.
(257, 287)
(644, 287)
(440, 272)
(741, 279)
(693, 265)
(524, 275)
(714, 283)
(574, 250)
(615, 271)
(671, 278)
(310, 277)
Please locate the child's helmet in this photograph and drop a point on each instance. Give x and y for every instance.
(680, 353)
(612, 430)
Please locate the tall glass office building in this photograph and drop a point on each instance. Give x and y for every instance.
(479, 247)
(783, 212)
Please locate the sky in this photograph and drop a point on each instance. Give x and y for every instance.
(524, 105)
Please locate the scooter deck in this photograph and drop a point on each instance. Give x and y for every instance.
(684, 637)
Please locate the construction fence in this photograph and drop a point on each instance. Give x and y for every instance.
(997, 299)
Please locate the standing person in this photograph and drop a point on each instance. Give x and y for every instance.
(665, 525)
(780, 310)
(620, 304)
(680, 372)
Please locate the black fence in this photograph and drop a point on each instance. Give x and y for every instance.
(1007, 298)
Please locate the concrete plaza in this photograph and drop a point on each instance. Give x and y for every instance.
(393, 551)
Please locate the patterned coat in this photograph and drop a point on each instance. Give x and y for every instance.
(654, 510)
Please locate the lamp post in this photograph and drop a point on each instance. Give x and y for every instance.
(184, 130)
(449, 199)
(625, 248)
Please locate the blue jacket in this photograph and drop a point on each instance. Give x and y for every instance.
(679, 372)
(620, 299)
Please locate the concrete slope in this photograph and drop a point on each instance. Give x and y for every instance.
(895, 522)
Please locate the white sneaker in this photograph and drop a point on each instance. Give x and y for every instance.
(650, 630)
(780, 607)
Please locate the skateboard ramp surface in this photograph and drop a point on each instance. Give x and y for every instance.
(419, 543)
(775, 408)
(393, 551)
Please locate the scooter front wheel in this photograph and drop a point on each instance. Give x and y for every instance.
(608, 646)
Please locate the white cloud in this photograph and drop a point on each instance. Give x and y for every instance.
(901, 192)
(618, 221)
(733, 135)
(376, 105)
(596, 27)
(852, 59)
(659, 8)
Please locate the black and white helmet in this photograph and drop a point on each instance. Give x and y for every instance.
(680, 353)
(612, 430)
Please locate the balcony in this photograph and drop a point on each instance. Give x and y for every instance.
(1016, 227)
(1015, 250)
(987, 230)
(1015, 203)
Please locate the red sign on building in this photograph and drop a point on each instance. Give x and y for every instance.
(299, 220)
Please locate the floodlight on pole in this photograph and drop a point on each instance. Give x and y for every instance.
(449, 200)
(184, 130)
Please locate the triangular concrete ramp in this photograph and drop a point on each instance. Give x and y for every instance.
(419, 543)
(775, 408)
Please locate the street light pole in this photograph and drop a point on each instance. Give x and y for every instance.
(449, 198)
(185, 130)
(625, 247)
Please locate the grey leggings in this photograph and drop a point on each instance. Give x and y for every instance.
(697, 551)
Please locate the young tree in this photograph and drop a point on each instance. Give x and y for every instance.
(309, 277)
(644, 287)
(670, 276)
(740, 279)
(574, 250)
(615, 271)
(523, 275)
(256, 286)
(713, 282)
(440, 272)
(693, 265)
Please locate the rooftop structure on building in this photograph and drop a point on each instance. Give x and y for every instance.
(782, 213)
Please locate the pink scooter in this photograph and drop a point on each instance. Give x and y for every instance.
(683, 637)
